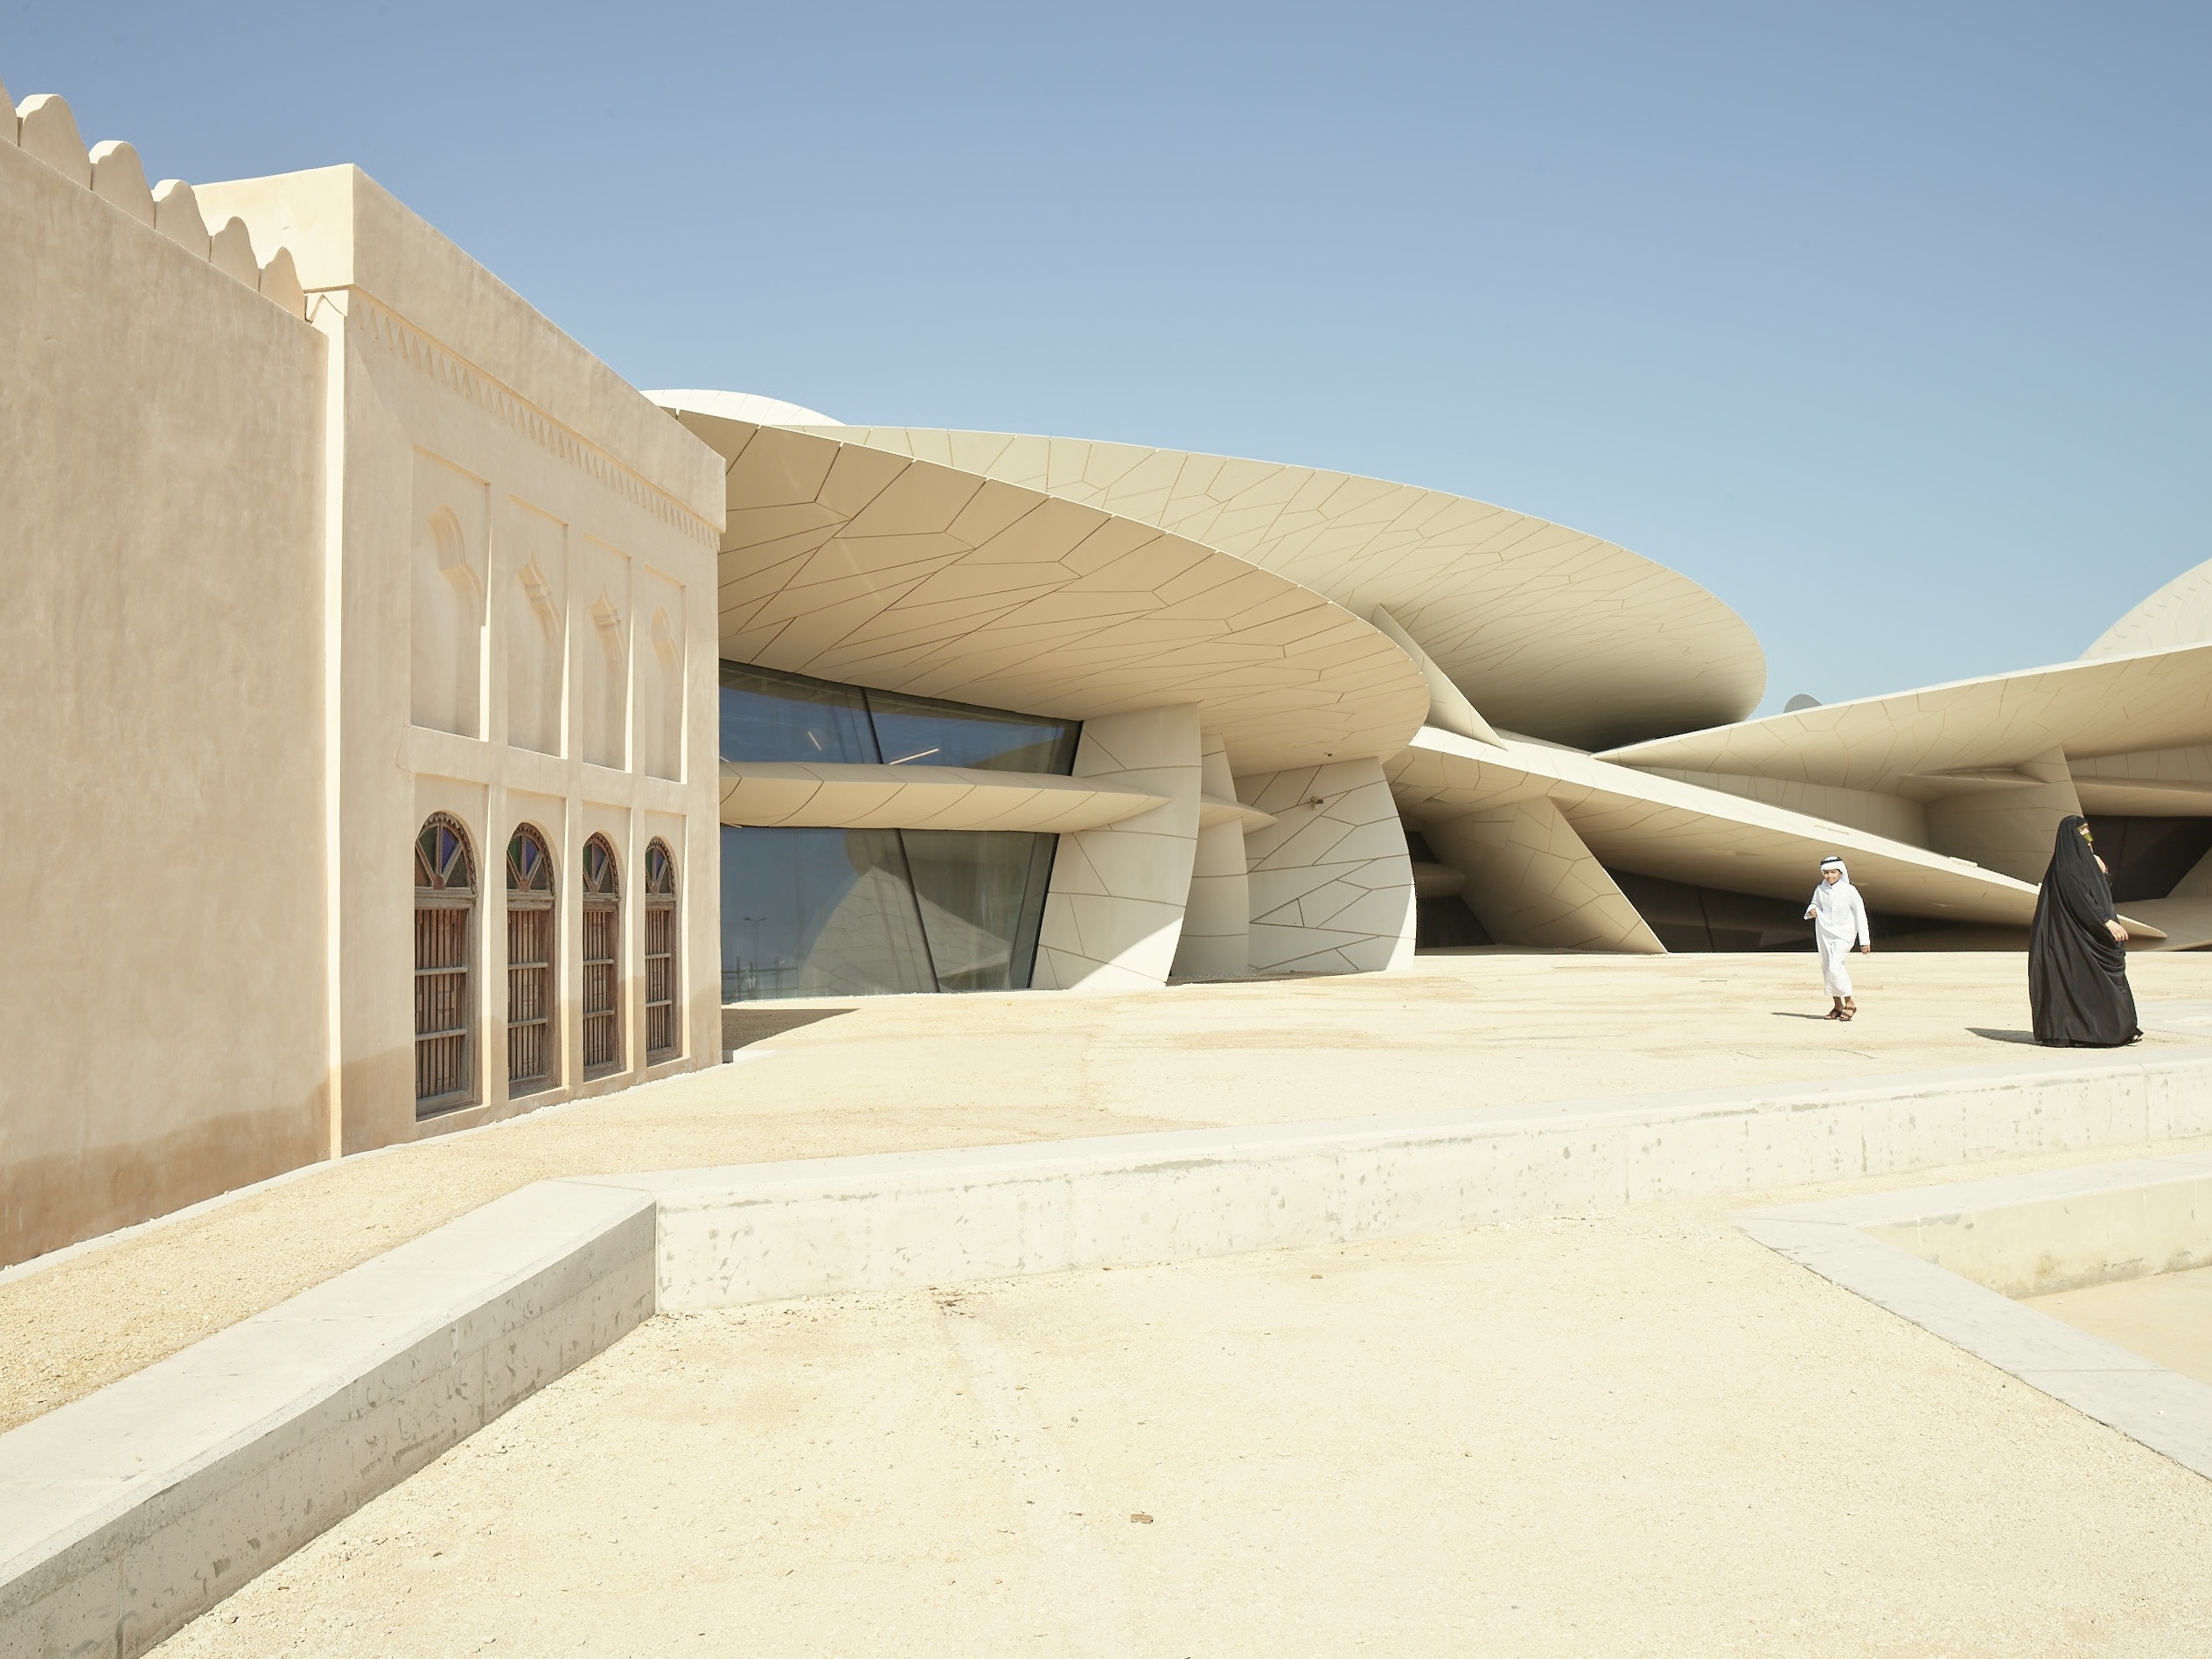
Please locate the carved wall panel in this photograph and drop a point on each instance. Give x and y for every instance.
(534, 626)
(446, 628)
(660, 675)
(601, 709)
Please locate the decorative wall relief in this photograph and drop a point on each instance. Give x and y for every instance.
(601, 709)
(446, 627)
(660, 676)
(534, 627)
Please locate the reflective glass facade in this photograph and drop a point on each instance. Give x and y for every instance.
(834, 912)
(766, 715)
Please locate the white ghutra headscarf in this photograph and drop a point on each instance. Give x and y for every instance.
(1837, 907)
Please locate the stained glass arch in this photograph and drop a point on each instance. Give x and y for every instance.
(529, 866)
(601, 879)
(443, 861)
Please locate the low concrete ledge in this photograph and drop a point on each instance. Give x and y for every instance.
(128, 1513)
(770, 1232)
(1863, 1244)
(2061, 1230)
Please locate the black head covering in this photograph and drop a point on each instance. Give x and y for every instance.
(2076, 970)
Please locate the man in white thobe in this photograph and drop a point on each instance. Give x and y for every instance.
(1838, 918)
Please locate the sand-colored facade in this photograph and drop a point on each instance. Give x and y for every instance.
(298, 565)
(524, 630)
(161, 662)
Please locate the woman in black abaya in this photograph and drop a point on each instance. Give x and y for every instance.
(2077, 951)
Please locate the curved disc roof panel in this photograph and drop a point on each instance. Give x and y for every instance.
(854, 564)
(1682, 832)
(1548, 631)
(2178, 614)
(1909, 739)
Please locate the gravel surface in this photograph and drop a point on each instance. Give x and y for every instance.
(909, 1073)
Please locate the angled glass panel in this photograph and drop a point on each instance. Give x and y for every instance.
(818, 912)
(972, 888)
(769, 715)
(1042, 851)
(922, 731)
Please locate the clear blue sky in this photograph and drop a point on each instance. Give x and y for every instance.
(1886, 322)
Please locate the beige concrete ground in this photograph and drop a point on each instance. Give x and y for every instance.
(909, 1073)
(2166, 1317)
(1643, 1435)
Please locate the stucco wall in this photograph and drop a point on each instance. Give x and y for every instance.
(528, 636)
(161, 649)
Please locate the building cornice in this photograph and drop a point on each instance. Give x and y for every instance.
(439, 362)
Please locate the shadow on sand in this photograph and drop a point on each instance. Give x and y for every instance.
(741, 1027)
(1994, 1036)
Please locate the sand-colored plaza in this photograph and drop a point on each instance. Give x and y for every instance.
(905, 1073)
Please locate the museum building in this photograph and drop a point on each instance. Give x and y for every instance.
(412, 724)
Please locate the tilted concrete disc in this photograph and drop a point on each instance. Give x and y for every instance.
(2178, 614)
(853, 563)
(1546, 629)
(1942, 740)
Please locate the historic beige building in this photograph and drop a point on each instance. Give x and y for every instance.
(359, 692)
(410, 723)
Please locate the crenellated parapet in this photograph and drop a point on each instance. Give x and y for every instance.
(43, 127)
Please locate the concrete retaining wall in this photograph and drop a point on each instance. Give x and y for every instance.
(128, 1513)
(2061, 1230)
(767, 1232)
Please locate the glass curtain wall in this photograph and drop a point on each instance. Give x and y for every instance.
(833, 912)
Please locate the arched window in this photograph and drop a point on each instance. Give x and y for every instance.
(661, 954)
(530, 1047)
(445, 919)
(601, 954)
